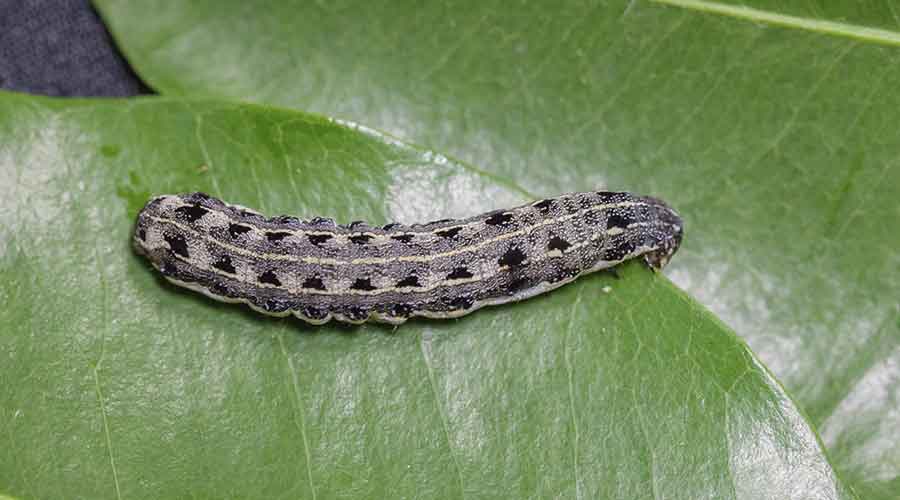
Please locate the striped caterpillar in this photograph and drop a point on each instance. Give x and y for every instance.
(318, 270)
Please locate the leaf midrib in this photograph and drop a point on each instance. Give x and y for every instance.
(830, 28)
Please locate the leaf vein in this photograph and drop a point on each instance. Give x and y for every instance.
(299, 419)
(831, 28)
(425, 346)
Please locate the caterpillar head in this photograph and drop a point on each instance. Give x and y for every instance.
(667, 237)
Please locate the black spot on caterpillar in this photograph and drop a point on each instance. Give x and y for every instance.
(364, 284)
(269, 278)
(177, 245)
(557, 243)
(276, 236)
(224, 264)
(448, 233)
(407, 282)
(405, 238)
(313, 284)
(460, 273)
(236, 230)
(191, 212)
(512, 257)
(360, 239)
(318, 239)
(318, 270)
(500, 219)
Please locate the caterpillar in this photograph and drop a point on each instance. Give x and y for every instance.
(319, 270)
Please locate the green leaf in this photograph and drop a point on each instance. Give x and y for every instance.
(116, 384)
(774, 134)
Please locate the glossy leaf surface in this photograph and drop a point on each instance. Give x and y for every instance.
(116, 384)
(774, 134)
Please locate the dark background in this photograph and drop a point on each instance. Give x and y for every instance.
(61, 48)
